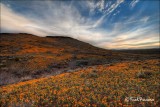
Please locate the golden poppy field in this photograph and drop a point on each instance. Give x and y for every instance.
(94, 86)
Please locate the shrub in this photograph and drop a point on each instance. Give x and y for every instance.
(82, 75)
(74, 56)
(25, 78)
(92, 75)
(17, 59)
(81, 63)
(94, 70)
(145, 74)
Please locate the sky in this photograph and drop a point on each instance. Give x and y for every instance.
(109, 24)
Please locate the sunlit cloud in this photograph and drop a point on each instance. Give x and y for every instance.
(89, 21)
(11, 21)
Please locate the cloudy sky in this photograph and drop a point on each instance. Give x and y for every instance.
(110, 24)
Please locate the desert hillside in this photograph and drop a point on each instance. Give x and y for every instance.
(25, 56)
(62, 71)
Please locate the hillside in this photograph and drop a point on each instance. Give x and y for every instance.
(95, 86)
(88, 76)
(25, 56)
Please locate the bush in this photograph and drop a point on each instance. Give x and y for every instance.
(94, 71)
(81, 63)
(17, 59)
(82, 75)
(74, 56)
(145, 74)
(92, 75)
(25, 78)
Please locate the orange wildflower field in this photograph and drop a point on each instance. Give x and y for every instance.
(93, 86)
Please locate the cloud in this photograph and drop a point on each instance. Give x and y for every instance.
(56, 18)
(108, 10)
(133, 3)
(101, 5)
(144, 19)
(70, 23)
(151, 41)
(133, 38)
(92, 5)
(11, 21)
(113, 6)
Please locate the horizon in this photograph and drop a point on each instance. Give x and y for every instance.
(117, 24)
(85, 42)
